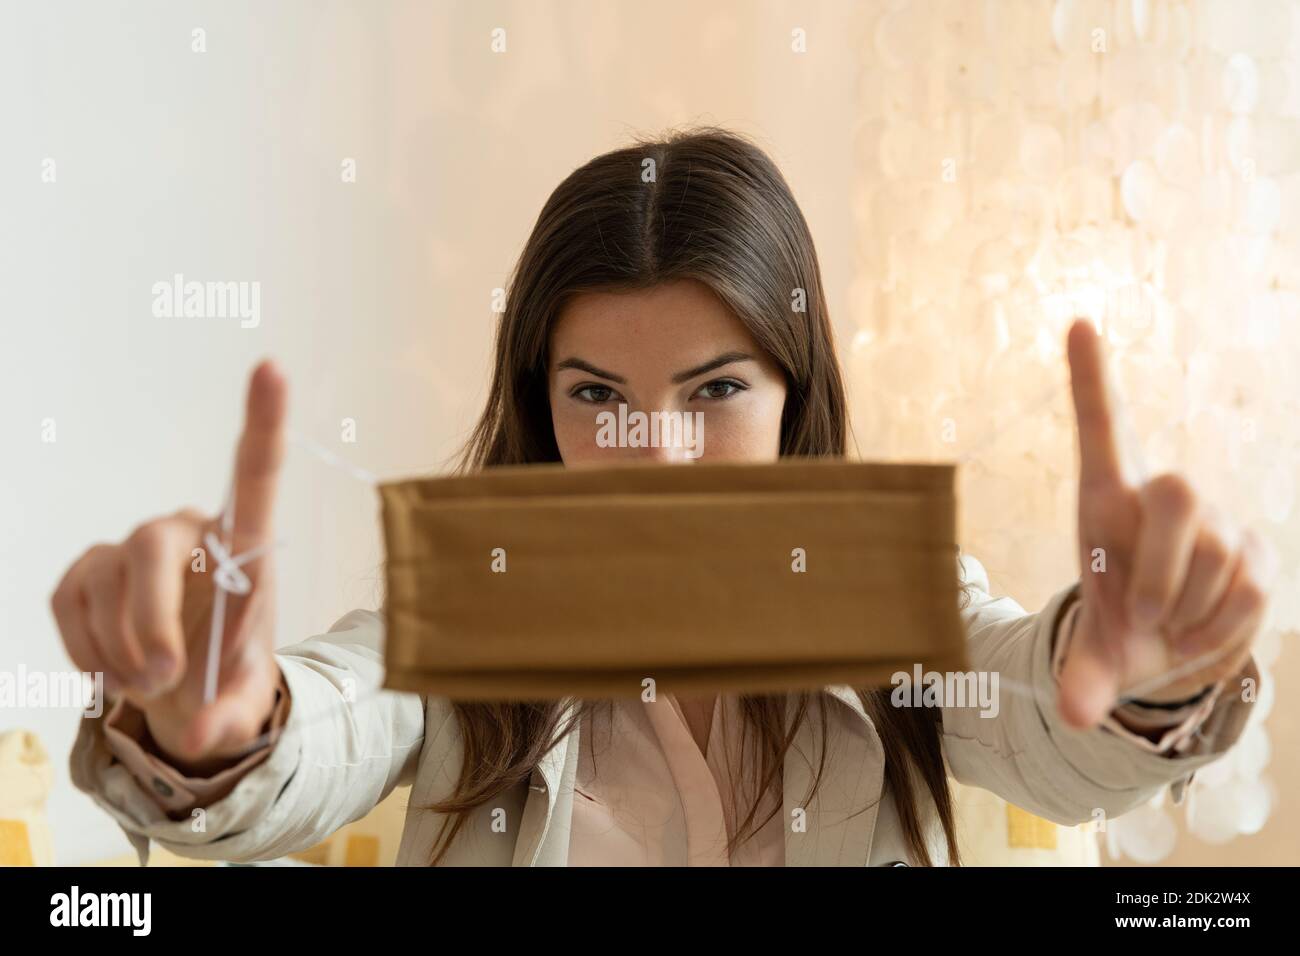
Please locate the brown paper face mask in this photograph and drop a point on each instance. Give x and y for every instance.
(541, 582)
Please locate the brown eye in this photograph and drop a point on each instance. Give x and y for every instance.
(720, 389)
(596, 394)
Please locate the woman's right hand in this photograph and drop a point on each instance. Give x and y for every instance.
(140, 611)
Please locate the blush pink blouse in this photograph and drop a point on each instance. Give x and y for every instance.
(646, 795)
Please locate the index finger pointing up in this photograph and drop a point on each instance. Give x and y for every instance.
(260, 452)
(1099, 456)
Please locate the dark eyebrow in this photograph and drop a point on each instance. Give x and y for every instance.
(726, 358)
(590, 369)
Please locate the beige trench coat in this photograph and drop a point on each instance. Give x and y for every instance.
(336, 760)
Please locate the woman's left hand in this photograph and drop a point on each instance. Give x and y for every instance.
(1165, 578)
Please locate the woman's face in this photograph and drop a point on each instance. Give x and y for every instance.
(692, 378)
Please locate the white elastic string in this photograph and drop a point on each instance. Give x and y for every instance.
(217, 628)
(331, 459)
(229, 577)
(229, 574)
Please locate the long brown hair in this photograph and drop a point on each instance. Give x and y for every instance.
(703, 204)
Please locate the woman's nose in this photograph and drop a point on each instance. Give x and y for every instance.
(662, 434)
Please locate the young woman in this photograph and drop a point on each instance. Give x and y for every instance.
(661, 276)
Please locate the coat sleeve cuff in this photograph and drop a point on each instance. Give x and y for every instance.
(1174, 730)
(116, 786)
(1117, 760)
(127, 738)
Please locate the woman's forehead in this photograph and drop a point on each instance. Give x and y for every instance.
(667, 319)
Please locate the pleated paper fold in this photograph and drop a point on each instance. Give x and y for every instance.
(543, 582)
